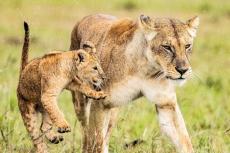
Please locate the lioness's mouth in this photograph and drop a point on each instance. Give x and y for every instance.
(171, 78)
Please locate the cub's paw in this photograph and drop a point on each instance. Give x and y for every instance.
(99, 95)
(63, 127)
(53, 136)
(55, 139)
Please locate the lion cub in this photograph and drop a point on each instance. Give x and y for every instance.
(43, 79)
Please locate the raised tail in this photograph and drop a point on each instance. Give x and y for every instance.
(25, 49)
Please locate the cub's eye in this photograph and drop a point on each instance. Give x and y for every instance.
(167, 48)
(188, 46)
(95, 68)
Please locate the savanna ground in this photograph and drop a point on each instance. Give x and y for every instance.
(204, 100)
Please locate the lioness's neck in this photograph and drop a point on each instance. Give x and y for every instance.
(136, 52)
(137, 45)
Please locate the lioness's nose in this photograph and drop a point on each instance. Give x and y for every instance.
(181, 70)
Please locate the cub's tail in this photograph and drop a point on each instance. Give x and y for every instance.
(25, 49)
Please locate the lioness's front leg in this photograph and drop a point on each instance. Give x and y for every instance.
(172, 124)
(95, 133)
(49, 93)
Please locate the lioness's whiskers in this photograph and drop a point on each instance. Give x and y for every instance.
(197, 76)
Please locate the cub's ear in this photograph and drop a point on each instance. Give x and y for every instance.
(81, 56)
(147, 25)
(89, 47)
(193, 24)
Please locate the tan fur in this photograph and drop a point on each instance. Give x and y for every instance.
(43, 79)
(140, 58)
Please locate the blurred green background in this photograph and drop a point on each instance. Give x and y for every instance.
(203, 100)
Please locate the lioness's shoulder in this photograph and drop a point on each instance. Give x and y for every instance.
(122, 25)
(122, 30)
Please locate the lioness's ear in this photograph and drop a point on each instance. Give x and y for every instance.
(89, 47)
(193, 24)
(145, 21)
(147, 25)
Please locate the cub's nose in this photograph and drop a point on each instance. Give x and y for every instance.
(103, 76)
(95, 81)
(181, 70)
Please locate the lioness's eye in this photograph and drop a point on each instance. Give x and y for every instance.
(95, 68)
(188, 46)
(167, 48)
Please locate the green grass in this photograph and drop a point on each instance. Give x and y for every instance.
(203, 100)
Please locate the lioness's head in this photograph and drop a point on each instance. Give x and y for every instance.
(170, 44)
(89, 69)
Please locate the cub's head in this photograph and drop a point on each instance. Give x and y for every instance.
(169, 45)
(88, 67)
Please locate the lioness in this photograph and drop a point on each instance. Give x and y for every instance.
(146, 57)
(43, 79)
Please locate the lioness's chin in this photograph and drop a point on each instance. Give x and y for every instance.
(178, 82)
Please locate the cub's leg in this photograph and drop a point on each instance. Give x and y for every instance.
(30, 119)
(49, 93)
(86, 90)
(46, 128)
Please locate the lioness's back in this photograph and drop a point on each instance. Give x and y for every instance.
(93, 28)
